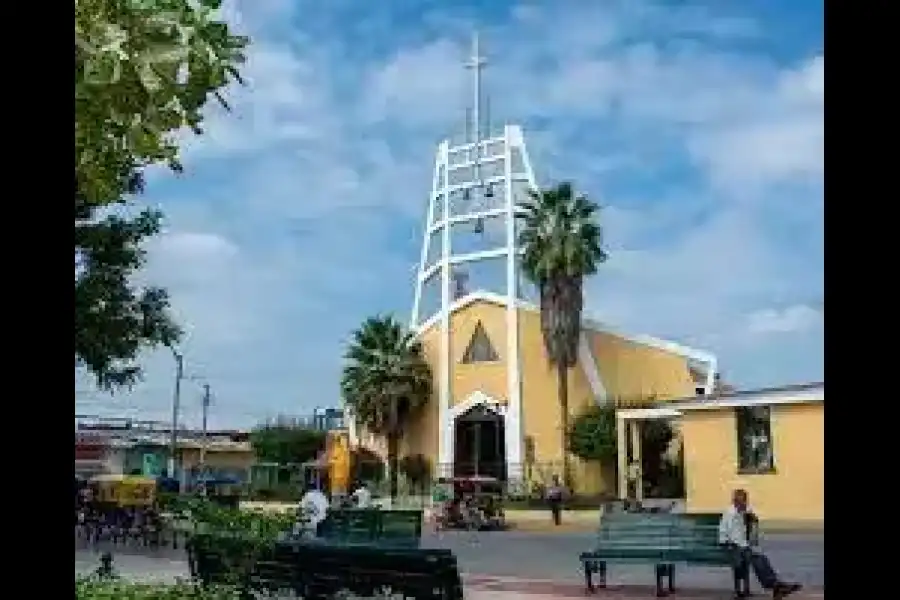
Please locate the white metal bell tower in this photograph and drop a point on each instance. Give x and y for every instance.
(479, 184)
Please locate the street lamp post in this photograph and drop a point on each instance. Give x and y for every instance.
(206, 401)
(176, 407)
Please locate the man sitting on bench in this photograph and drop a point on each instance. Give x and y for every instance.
(738, 532)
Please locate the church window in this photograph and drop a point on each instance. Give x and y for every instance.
(754, 433)
(480, 348)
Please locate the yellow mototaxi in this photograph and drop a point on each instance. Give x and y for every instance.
(123, 491)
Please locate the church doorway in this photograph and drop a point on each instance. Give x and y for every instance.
(480, 444)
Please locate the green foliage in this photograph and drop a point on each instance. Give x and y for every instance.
(92, 588)
(385, 381)
(562, 243)
(417, 470)
(240, 538)
(206, 516)
(144, 70)
(285, 443)
(592, 434)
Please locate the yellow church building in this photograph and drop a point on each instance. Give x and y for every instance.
(494, 382)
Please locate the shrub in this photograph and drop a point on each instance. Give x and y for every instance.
(92, 588)
(208, 517)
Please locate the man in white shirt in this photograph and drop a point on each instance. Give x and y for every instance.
(313, 509)
(737, 532)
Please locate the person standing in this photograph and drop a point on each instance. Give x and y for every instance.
(555, 499)
(633, 475)
(738, 533)
(361, 497)
(312, 510)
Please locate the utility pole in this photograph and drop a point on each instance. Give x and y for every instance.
(176, 407)
(206, 400)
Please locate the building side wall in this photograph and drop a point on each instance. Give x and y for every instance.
(421, 435)
(795, 491)
(541, 411)
(635, 373)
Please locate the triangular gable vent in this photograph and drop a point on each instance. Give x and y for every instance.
(480, 348)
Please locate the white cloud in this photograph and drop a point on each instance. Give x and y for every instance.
(781, 140)
(193, 246)
(797, 318)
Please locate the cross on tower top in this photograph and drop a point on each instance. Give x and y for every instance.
(476, 63)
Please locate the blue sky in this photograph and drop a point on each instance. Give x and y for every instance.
(699, 127)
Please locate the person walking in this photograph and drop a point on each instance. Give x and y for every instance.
(555, 499)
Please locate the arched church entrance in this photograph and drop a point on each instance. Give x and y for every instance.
(480, 444)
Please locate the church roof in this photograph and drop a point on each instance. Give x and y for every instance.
(802, 393)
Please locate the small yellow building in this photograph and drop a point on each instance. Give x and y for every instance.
(770, 442)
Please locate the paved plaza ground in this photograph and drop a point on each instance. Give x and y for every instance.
(506, 565)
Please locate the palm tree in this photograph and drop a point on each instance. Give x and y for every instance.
(385, 380)
(562, 244)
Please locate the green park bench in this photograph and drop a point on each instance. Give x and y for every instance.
(661, 539)
(383, 527)
(361, 551)
(320, 569)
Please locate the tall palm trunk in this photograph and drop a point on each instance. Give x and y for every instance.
(393, 439)
(562, 382)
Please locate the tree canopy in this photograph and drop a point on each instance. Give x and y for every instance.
(144, 70)
(385, 380)
(592, 434)
(285, 443)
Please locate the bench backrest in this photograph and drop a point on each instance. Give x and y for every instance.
(401, 526)
(695, 534)
(633, 530)
(659, 530)
(396, 527)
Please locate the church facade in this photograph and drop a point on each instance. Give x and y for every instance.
(500, 416)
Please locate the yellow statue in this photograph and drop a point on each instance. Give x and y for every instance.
(338, 457)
